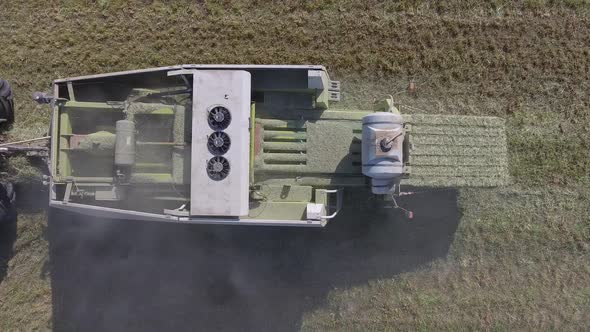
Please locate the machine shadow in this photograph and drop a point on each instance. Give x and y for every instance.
(28, 200)
(8, 233)
(140, 276)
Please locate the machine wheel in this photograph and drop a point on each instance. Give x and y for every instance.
(6, 102)
(7, 203)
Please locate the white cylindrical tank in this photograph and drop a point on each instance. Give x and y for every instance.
(382, 150)
(125, 143)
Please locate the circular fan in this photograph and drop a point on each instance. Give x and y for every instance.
(219, 118)
(218, 143)
(218, 168)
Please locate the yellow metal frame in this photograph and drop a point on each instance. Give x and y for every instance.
(252, 139)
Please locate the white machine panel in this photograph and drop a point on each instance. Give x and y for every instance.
(220, 167)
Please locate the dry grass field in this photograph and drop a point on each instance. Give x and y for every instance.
(517, 258)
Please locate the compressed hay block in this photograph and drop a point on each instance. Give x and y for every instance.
(457, 151)
(99, 143)
(445, 151)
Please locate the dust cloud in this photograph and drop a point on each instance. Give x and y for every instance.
(147, 276)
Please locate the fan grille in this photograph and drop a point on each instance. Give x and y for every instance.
(219, 118)
(218, 143)
(218, 168)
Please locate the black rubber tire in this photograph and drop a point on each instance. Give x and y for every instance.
(6, 102)
(7, 203)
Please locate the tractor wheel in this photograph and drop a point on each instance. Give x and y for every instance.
(7, 203)
(6, 102)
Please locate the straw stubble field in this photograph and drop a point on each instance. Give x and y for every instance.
(519, 256)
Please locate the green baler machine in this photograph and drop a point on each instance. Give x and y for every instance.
(249, 145)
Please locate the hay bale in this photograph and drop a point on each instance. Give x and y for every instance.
(99, 143)
(457, 151)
